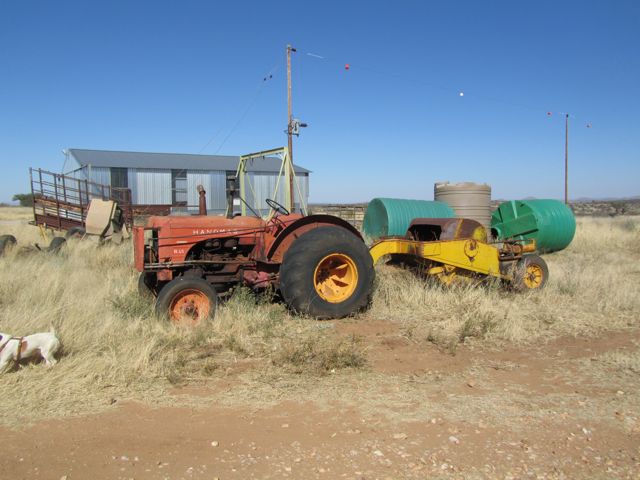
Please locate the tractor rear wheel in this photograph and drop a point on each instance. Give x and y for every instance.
(187, 301)
(530, 273)
(327, 273)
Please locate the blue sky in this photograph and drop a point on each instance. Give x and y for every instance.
(170, 76)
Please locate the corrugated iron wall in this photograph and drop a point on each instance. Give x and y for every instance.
(214, 183)
(264, 185)
(101, 175)
(303, 181)
(70, 166)
(150, 186)
(154, 187)
(80, 174)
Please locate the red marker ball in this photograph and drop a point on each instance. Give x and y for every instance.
(346, 66)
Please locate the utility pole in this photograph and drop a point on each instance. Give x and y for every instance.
(290, 126)
(566, 159)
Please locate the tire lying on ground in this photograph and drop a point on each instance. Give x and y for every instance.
(327, 273)
(75, 232)
(6, 243)
(187, 301)
(56, 244)
(530, 273)
(146, 285)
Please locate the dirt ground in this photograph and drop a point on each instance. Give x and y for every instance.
(559, 410)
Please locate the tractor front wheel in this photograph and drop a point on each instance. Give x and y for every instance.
(327, 273)
(187, 301)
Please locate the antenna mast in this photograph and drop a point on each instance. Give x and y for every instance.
(566, 159)
(290, 127)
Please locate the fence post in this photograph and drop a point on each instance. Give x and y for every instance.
(55, 189)
(86, 187)
(80, 201)
(64, 193)
(33, 194)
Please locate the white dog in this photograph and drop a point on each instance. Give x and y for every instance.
(14, 349)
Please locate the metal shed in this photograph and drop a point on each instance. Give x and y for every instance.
(166, 182)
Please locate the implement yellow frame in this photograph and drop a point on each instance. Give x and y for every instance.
(467, 254)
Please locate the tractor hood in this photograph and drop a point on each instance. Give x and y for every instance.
(205, 225)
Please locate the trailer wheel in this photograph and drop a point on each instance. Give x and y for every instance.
(6, 242)
(531, 273)
(75, 232)
(327, 273)
(187, 301)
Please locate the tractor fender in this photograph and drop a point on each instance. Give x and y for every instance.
(296, 229)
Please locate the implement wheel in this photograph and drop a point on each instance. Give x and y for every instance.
(327, 273)
(531, 273)
(187, 301)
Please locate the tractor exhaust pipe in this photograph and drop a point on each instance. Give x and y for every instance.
(202, 202)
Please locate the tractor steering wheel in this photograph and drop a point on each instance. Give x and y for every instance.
(277, 207)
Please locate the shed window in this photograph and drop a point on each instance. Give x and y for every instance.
(179, 187)
(119, 177)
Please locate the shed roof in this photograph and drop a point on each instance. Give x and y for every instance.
(164, 161)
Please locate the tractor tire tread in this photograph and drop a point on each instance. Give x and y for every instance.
(56, 244)
(177, 285)
(298, 267)
(519, 268)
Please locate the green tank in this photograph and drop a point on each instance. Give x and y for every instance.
(550, 222)
(391, 216)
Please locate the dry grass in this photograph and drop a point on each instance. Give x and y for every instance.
(324, 356)
(594, 286)
(8, 214)
(623, 361)
(115, 349)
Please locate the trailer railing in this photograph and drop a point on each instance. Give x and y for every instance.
(61, 202)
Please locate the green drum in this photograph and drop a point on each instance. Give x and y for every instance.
(391, 216)
(550, 222)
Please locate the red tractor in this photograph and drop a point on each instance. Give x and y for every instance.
(319, 263)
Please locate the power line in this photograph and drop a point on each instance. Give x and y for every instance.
(242, 117)
(458, 92)
(211, 139)
(269, 75)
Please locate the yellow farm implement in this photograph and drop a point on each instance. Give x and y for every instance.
(453, 249)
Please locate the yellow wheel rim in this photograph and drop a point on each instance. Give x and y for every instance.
(335, 278)
(533, 276)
